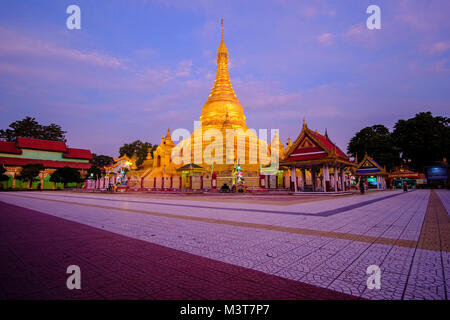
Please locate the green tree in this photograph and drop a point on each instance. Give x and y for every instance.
(66, 175)
(137, 147)
(378, 143)
(101, 160)
(3, 176)
(30, 128)
(94, 172)
(30, 172)
(422, 140)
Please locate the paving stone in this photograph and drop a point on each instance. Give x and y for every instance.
(327, 243)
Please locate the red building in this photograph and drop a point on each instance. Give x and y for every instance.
(316, 156)
(51, 154)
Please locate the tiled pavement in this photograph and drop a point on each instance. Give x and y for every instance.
(36, 249)
(405, 234)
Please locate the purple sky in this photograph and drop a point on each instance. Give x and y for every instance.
(138, 67)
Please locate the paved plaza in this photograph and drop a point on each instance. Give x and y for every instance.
(160, 246)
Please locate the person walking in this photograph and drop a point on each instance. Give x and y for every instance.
(405, 186)
(362, 186)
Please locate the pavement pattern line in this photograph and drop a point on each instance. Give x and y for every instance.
(281, 200)
(435, 233)
(325, 213)
(302, 231)
(36, 249)
(407, 273)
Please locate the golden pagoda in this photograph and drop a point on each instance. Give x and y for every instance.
(222, 139)
(222, 104)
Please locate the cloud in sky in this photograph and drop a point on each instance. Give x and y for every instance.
(325, 39)
(135, 69)
(438, 47)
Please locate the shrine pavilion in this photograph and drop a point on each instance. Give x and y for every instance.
(325, 162)
(370, 170)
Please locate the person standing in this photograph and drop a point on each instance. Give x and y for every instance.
(405, 186)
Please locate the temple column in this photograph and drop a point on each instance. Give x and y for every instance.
(324, 178)
(343, 179)
(336, 177)
(314, 179)
(262, 181)
(303, 179)
(294, 177)
(214, 180)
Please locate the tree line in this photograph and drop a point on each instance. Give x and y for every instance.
(413, 143)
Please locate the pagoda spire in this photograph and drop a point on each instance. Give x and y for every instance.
(168, 138)
(222, 99)
(222, 88)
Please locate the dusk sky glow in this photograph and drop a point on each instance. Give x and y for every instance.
(138, 67)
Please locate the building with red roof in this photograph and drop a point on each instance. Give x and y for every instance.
(51, 154)
(316, 155)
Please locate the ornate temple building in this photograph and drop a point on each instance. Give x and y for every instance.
(222, 145)
(371, 171)
(220, 142)
(223, 137)
(322, 165)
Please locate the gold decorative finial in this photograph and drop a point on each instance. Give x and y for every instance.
(304, 122)
(222, 98)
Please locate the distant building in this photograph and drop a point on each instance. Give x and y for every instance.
(370, 170)
(51, 154)
(399, 177)
(439, 174)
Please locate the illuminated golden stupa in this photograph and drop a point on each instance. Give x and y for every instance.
(223, 139)
(220, 142)
(222, 106)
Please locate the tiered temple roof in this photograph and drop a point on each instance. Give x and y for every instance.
(369, 167)
(311, 147)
